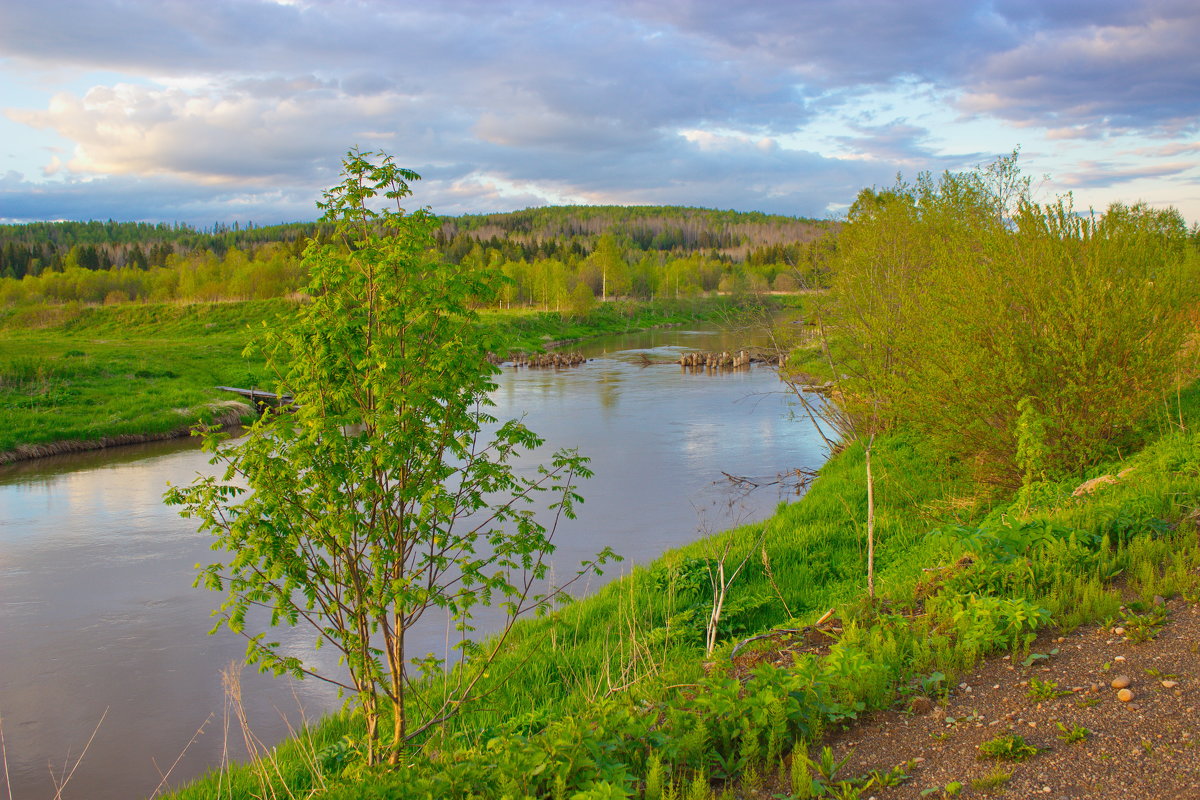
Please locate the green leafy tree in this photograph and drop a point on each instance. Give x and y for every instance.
(959, 307)
(382, 497)
(610, 262)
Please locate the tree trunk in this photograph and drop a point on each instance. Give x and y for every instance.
(870, 522)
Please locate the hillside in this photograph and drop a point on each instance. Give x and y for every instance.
(32, 248)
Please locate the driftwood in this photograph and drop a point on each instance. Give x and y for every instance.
(777, 632)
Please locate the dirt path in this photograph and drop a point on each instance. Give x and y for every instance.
(1137, 750)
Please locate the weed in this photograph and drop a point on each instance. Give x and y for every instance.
(998, 778)
(934, 685)
(1045, 690)
(885, 780)
(1073, 734)
(1033, 658)
(951, 789)
(1160, 675)
(828, 767)
(1008, 747)
(1144, 627)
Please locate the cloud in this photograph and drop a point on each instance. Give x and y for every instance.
(712, 171)
(1125, 72)
(1091, 174)
(1167, 150)
(529, 100)
(903, 145)
(156, 199)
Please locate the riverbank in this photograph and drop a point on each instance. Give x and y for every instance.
(614, 696)
(76, 378)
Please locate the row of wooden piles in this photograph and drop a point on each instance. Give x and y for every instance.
(554, 359)
(725, 359)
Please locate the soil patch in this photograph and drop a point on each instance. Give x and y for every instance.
(1142, 749)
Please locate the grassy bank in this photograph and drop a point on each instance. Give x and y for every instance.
(614, 696)
(73, 373)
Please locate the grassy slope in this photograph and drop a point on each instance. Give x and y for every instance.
(85, 373)
(593, 685)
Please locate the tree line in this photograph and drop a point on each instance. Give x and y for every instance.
(556, 259)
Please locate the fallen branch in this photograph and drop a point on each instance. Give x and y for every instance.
(776, 632)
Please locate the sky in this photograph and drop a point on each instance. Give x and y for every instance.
(241, 110)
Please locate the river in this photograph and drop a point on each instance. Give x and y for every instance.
(103, 638)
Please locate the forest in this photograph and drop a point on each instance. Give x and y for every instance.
(557, 258)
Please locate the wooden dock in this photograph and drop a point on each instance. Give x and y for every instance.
(260, 397)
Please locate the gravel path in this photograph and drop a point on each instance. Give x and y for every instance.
(1136, 749)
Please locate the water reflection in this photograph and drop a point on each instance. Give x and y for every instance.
(98, 617)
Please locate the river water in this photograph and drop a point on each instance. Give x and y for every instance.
(103, 638)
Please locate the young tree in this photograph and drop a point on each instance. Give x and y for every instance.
(381, 497)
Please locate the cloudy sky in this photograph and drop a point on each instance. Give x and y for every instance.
(226, 110)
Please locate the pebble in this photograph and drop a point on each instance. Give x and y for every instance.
(1170, 684)
(1118, 658)
(1124, 695)
(1121, 682)
(1159, 600)
(1095, 687)
(1119, 631)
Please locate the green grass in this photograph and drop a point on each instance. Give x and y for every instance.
(84, 373)
(88, 373)
(583, 694)
(1008, 747)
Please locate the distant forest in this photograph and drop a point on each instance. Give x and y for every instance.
(556, 257)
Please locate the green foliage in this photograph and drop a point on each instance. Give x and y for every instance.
(602, 704)
(1073, 734)
(995, 780)
(1023, 339)
(1142, 627)
(1008, 747)
(545, 253)
(380, 497)
(1045, 690)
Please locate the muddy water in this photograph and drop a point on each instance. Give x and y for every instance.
(102, 636)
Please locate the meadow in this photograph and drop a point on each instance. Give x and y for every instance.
(76, 373)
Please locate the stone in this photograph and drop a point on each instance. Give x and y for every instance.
(1125, 696)
(1119, 631)
(1159, 600)
(1170, 684)
(1121, 682)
